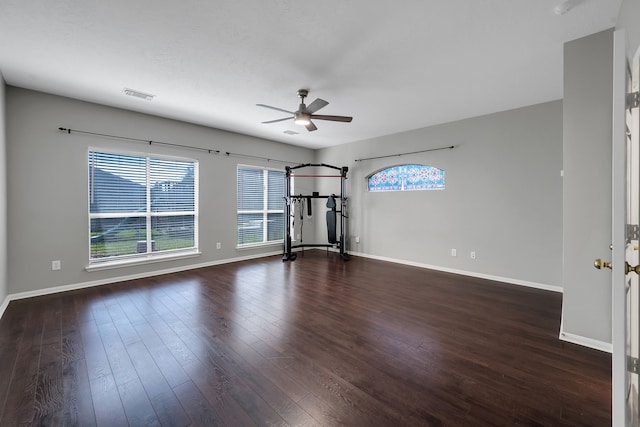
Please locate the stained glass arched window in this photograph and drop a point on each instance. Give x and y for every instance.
(407, 178)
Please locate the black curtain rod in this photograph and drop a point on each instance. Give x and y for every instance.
(170, 144)
(147, 141)
(406, 154)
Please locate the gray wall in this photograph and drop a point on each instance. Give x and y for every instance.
(587, 124)
(3, 194)
(503, 196)
(47, 184)
(629, 19)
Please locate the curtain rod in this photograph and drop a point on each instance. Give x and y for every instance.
(451, 147)
(171, 144)
(150, 142)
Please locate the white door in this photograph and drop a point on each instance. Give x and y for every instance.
(625, 231)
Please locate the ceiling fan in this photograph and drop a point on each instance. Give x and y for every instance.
(303, 115)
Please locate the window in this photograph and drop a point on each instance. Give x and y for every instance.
(141, 206)
(407, 178)
(261, 194)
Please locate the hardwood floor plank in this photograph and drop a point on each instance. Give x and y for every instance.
(129, 309)
(72, 348)
(100, 311)
(137, 406)
(170, 368)
(95, 355)
(77, 399)
(121, 366)
(49, 398)
(148, 373)
(122, 324)
(107, 404)
(197, 405)
(259, 398)
(169, 410)
(215, 385)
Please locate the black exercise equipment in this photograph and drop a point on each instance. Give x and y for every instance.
(331, 219)
(334, 240)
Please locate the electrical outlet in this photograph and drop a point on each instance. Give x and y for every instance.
(56, 265)
(357, 239)
(454, 252)
(218, 245)
(473, 254)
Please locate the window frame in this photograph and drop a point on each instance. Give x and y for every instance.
(265, 211)
(149, 215)
(403, 177)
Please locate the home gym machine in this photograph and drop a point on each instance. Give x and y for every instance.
(334, 241)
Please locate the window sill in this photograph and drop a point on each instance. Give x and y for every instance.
(259, 245)
(107, 265)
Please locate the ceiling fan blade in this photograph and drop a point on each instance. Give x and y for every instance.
(316, 105)
(274, 108)
(311, 127)
(332, 118)
(278, 120)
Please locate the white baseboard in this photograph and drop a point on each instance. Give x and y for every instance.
(585, 342)
(509, 280)
(65, 288)
(4, 306)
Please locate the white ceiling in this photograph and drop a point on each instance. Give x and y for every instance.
(393, 66)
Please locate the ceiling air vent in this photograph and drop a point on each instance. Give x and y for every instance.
(138, 94)
(290, 132)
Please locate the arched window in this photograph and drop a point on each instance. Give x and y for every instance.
(407, 178)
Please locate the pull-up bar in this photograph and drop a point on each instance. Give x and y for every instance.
(313, 196)
(306, 165)
(295, 175)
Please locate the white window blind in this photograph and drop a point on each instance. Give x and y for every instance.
(260, 205)
(141, 206)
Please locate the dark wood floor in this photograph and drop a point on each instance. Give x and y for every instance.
(313, 342)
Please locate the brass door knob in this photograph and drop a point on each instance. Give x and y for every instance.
(600, 264)
(628, 269)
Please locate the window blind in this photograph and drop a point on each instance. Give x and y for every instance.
(260, 205)
(141, 205)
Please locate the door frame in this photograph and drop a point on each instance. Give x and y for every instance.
(618, 232)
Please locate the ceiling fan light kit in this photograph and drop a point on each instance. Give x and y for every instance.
(302, 119)
(303, 115)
